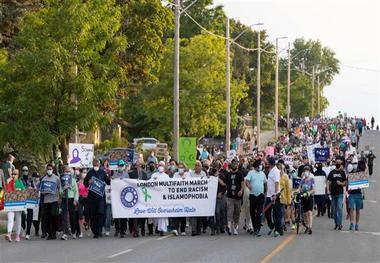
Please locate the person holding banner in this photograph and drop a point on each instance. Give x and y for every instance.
(355, 202)
(34, 183)
(120, 223)
(162, 223)
(50, 187)
(196, 222)
(96, 180)
(14, 184)
(180, 222)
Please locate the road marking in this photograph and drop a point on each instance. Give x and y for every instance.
(371, 201)
(161, 238)
(278, 249)
(372, 181)
(362, 232)
(120, 253)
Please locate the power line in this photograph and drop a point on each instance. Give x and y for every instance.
(360, 68)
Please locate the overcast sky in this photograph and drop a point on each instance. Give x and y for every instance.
(350, 27)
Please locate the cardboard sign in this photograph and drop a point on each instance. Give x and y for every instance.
(161, 150)
(66, 180)
(321, 154)
(14, 201)
(98, 187)
(288, 159)
(32, 198)
(125, 154)
(81, 155)
(245, 149)
(188, 151)
(230, 155)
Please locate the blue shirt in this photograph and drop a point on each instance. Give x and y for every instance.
(257, 181)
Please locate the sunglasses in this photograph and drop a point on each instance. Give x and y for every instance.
(14, 173)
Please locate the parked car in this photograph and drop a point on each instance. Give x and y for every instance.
(146, 143)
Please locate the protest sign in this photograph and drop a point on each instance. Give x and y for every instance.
(66, 180)
(357, 180)
(245, 149)
(81, 155)
(230, 155)
(320, 185)
(48, 187)
(321, 154)
(161, 150)
(296, 182)
(188, 151)
(97, 187)
(269, 151)
(288, 159)
(14, 201)
(163, 198)
(310, 151)
(32, 198)
(115, 155)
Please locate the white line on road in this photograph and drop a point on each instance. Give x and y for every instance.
(161, 238)
(120, 253)
(371, 201)
(362, 232)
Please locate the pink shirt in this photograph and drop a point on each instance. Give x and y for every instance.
(83, 190)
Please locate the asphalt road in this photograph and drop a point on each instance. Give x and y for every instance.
(325, 245)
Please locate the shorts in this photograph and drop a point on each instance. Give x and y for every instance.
(355, 201)
(307, 204)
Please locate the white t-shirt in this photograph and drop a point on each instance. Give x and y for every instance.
(273, 177)
(184, 176)
(160, 176)
(195, 175)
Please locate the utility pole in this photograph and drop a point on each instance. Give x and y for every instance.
(228, 88)
(176, 82)
(276, 95)
(258, 116)
(319, 97)
(288, 93)
(312, 95)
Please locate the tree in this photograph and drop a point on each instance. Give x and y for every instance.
(68, 49)
(202, 93)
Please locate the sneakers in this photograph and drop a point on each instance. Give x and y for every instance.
(81, 235)
(235, 231)
(175, 232)
(107, 234)
(74, 236)
(276, 234)
(356, 227)
(228, 231)
(340, 227)
(17, 238)
(270, 232)
(293, 226)
(351, 227)
(9, 237)
(183, 234)
(64, 237)
(27, 237)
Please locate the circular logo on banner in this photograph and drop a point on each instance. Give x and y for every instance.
(129, 197)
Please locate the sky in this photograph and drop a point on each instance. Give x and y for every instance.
(351, 28)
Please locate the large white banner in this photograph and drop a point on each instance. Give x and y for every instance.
(171, 197)
(320, 185)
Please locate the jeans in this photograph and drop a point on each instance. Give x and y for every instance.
(220, 211)
(108, 220)
(29, 220)
(274, 215)
(69, 208)
(337, 204)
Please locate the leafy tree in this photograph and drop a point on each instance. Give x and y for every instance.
(68, 48)
(202, 93)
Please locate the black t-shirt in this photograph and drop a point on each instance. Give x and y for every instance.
(233, 182)
(334, 176)
(222, 176)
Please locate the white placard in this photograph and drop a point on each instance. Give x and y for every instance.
(288, 159)
(170, 197)
(320, 185)
(81, 155)
(231, 154)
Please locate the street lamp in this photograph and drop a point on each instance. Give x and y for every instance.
(276, 90)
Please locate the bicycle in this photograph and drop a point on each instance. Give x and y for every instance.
(298, 210)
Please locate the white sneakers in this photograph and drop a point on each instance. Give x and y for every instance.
(107, 234)
(74, 236)
(235, 231)
(64, 237)
(183, 234)
(175, 232)
(80, 235)
(27, 237)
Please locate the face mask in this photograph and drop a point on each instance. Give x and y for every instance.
(151, 168)
(161, 169)
(77, 172)
(49, 172)
(337, 166)
(172, 168)
(260, 167)
(181, 170)
(306, 174)
(25, 173)
(96, 168)
(120, 169)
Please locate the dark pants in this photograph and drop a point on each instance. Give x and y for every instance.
(320, 201)
(83, 212)
(97, 210)
(273, 215)
(50, 218)
(120, 225)
(29, 220)
(196, 225)
(68, 209)
(180, 223)
(370, 169)
(220, 214)
(256, 204)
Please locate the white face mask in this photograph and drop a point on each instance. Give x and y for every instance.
(306, 174)
(96, 168)
(181, 170)
(49, 172)
(161, 169)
